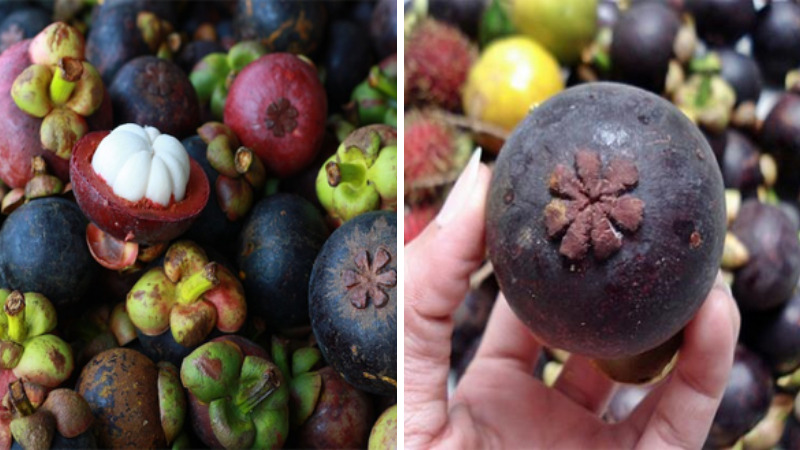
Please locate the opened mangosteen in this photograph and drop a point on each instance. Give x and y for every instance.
(353, 301)
(276, 252)
(745, 401)
(775, 335)
(155, 92)
(138, 186)
(185, 300)
(238, 396)
(277, 107)
(52, 97)
(61, 420)
(43, 249)
(136, 404)
(770, 273)
(606, 221)
(295, 27)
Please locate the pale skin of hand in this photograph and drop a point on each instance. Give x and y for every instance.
(498, 403)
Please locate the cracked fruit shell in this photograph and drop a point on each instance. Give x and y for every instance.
(140, 221)
(606, 220)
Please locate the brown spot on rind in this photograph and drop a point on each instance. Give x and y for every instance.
(211, 367)
(695, 240)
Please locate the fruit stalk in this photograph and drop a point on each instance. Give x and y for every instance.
(195, 285)
(67, 74)
(15, 311)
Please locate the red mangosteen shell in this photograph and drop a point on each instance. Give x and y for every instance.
(603, 305)
(277, 106)
(19, 132)
(132, 221)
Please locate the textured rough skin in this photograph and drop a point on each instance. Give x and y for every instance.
(19, 132)
(647, 290)
(296, 27)
(359, 343)
(127, 220)
(266, 85)
(120, 387)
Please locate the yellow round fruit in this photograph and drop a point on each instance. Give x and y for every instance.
(563, 27)
(511, 76)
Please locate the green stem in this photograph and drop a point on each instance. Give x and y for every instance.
(703, 92)
(195, 285)
(69, 71)
(267, 384)
(339, 173)
(15, 312)
(378, 80)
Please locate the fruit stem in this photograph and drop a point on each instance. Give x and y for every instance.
(69, 71)
(19, 399)
(267, 384)
(195, 285)
(15, 311)
(339, 173)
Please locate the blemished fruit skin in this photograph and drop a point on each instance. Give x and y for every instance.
(638, 243)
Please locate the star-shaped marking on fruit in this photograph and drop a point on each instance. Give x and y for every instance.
(371, 279)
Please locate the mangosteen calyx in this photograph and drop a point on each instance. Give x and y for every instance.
(590, 205)
(369, 281)
(281, 117)
(305, 382)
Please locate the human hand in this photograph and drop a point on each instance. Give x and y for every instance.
(498, 403)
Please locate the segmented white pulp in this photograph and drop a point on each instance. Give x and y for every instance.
(138, 162)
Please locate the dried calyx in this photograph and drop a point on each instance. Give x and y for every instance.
(60, 87)
(141, 163)
(591, 207)
(42, 184)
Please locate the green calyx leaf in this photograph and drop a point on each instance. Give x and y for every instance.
(305, 389)
(231, 428)
(383, 174)
(370, 104)
(210, 72)
(171, 401)
(60, 130)
(150, 301)
(47, 360)
(304, 359)
(243, 53)
(212, 370)
(31, 90)
(261, 385)
(190, 324)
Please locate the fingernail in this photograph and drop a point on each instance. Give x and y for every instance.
(461, 192)
(722, 284)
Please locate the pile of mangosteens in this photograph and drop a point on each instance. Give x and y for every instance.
(198, 229)
(671, 153)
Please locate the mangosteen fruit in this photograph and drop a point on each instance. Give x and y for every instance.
(780, 133)
(772, 269)
(277, 107)
(51, 97)
(276, 252)
(743, 166)
(137, 185)
(776, 39)
(742, 73)
(722, 22)
(43, 249)
(348, 57)
(238, 396)
(342, 417)
(383, 27)
(155, 92)
(353, 301)
(466, 15)
(384, 431)
(745, 401)
(643, 43)
(775, 335)
(295, 27)
(22, 24)
(187, 298)
(471, 317)
(606, 221)
(136, 404)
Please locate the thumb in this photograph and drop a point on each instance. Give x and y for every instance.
(438, 265)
